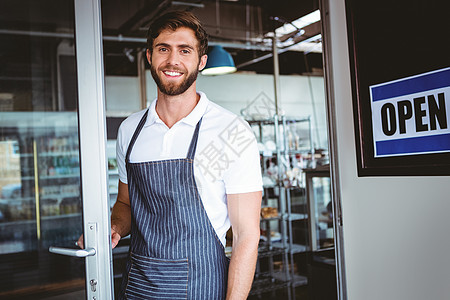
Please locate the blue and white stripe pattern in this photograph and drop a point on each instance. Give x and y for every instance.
(175, 252)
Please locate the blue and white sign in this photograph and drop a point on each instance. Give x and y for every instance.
(412, 115)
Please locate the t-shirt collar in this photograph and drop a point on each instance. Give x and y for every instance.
(191, 119)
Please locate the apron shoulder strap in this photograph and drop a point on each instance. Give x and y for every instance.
(193, 145)
(135, 135)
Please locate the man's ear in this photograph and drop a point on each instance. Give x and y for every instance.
(203, 61)
(149, 56)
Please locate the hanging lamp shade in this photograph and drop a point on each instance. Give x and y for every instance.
(219, 62)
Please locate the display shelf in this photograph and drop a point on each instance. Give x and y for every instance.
(264, 285)
(280, 121)
(270, 219)
(20, 155)
(15, 178)
(265, 251)
(59, 153)
(61, 176)
(285, 149)
(296, 280)
(297, 217)
(60, 196)
(291, 248)
(113, 172)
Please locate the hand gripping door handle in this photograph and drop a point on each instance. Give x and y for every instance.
(73, 252)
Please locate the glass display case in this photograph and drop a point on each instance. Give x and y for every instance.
(321, 259)
(40, 204)
(39, 180)
(318, 188)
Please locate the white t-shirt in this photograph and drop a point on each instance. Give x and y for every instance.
(226, 160)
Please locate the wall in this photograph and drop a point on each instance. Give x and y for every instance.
(300, 96)
(396, 237)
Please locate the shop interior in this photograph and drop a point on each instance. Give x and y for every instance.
(278, 88)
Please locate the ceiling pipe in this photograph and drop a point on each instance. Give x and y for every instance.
(128, 39)
(269, 55)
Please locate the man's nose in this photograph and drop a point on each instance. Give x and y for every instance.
(173, 58)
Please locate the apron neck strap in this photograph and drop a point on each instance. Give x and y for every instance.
(135, 135)
(193, 145)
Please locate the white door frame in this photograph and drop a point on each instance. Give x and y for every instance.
(332, 141)
(92, 130)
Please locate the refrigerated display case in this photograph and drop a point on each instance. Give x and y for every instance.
(40, 180)
(40, 195)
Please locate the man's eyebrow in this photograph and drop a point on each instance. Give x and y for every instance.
(179, 46)
(186, 46)
(162, 45)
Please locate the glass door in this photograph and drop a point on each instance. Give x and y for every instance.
(53, 171)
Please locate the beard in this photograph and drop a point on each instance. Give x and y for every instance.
(172, 89)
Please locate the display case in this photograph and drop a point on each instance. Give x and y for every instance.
(321, 259)
(318, 187)
(40, 201)
(39, 181)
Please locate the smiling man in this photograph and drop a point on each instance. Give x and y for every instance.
(188, 170)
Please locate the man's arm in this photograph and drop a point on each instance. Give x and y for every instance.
(244, 211)
(121, 215)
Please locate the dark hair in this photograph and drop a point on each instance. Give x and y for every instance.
(174, 20)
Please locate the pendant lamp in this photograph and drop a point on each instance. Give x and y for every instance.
(219, 62)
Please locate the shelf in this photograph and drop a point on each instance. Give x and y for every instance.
(113, 172)
(59, 176)
(265, 252)
(286, 217)
(15, 200)
(65, 195)
(16, 155)
(16, 224)
(297, 217)
(297, 280)
(265, 285)
(60, 153)
(18, 177)
(72, 215)
(269, 153)
(280, 121)
(295, 248)
(270, 219)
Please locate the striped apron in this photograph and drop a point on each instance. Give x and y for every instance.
(174, 251)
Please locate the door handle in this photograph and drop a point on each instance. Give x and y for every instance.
(73, 252)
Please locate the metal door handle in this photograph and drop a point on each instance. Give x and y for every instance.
(73, 252)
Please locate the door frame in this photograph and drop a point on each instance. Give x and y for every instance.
(92, 134)
(338, 224)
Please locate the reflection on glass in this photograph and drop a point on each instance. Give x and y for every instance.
(40, 202)
(323, 211)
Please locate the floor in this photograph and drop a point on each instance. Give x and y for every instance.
(78, 295)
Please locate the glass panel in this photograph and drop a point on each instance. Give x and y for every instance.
(40, 204)
(324, 213)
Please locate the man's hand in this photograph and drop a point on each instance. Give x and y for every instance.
(120, 217)
(115, 238)
(80, 242)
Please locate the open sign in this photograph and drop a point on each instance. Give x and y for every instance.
(412, 115)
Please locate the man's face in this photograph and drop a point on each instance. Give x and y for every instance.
(174, 62)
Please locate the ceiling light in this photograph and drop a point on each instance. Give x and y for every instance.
(219, 62)
(298, 23)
